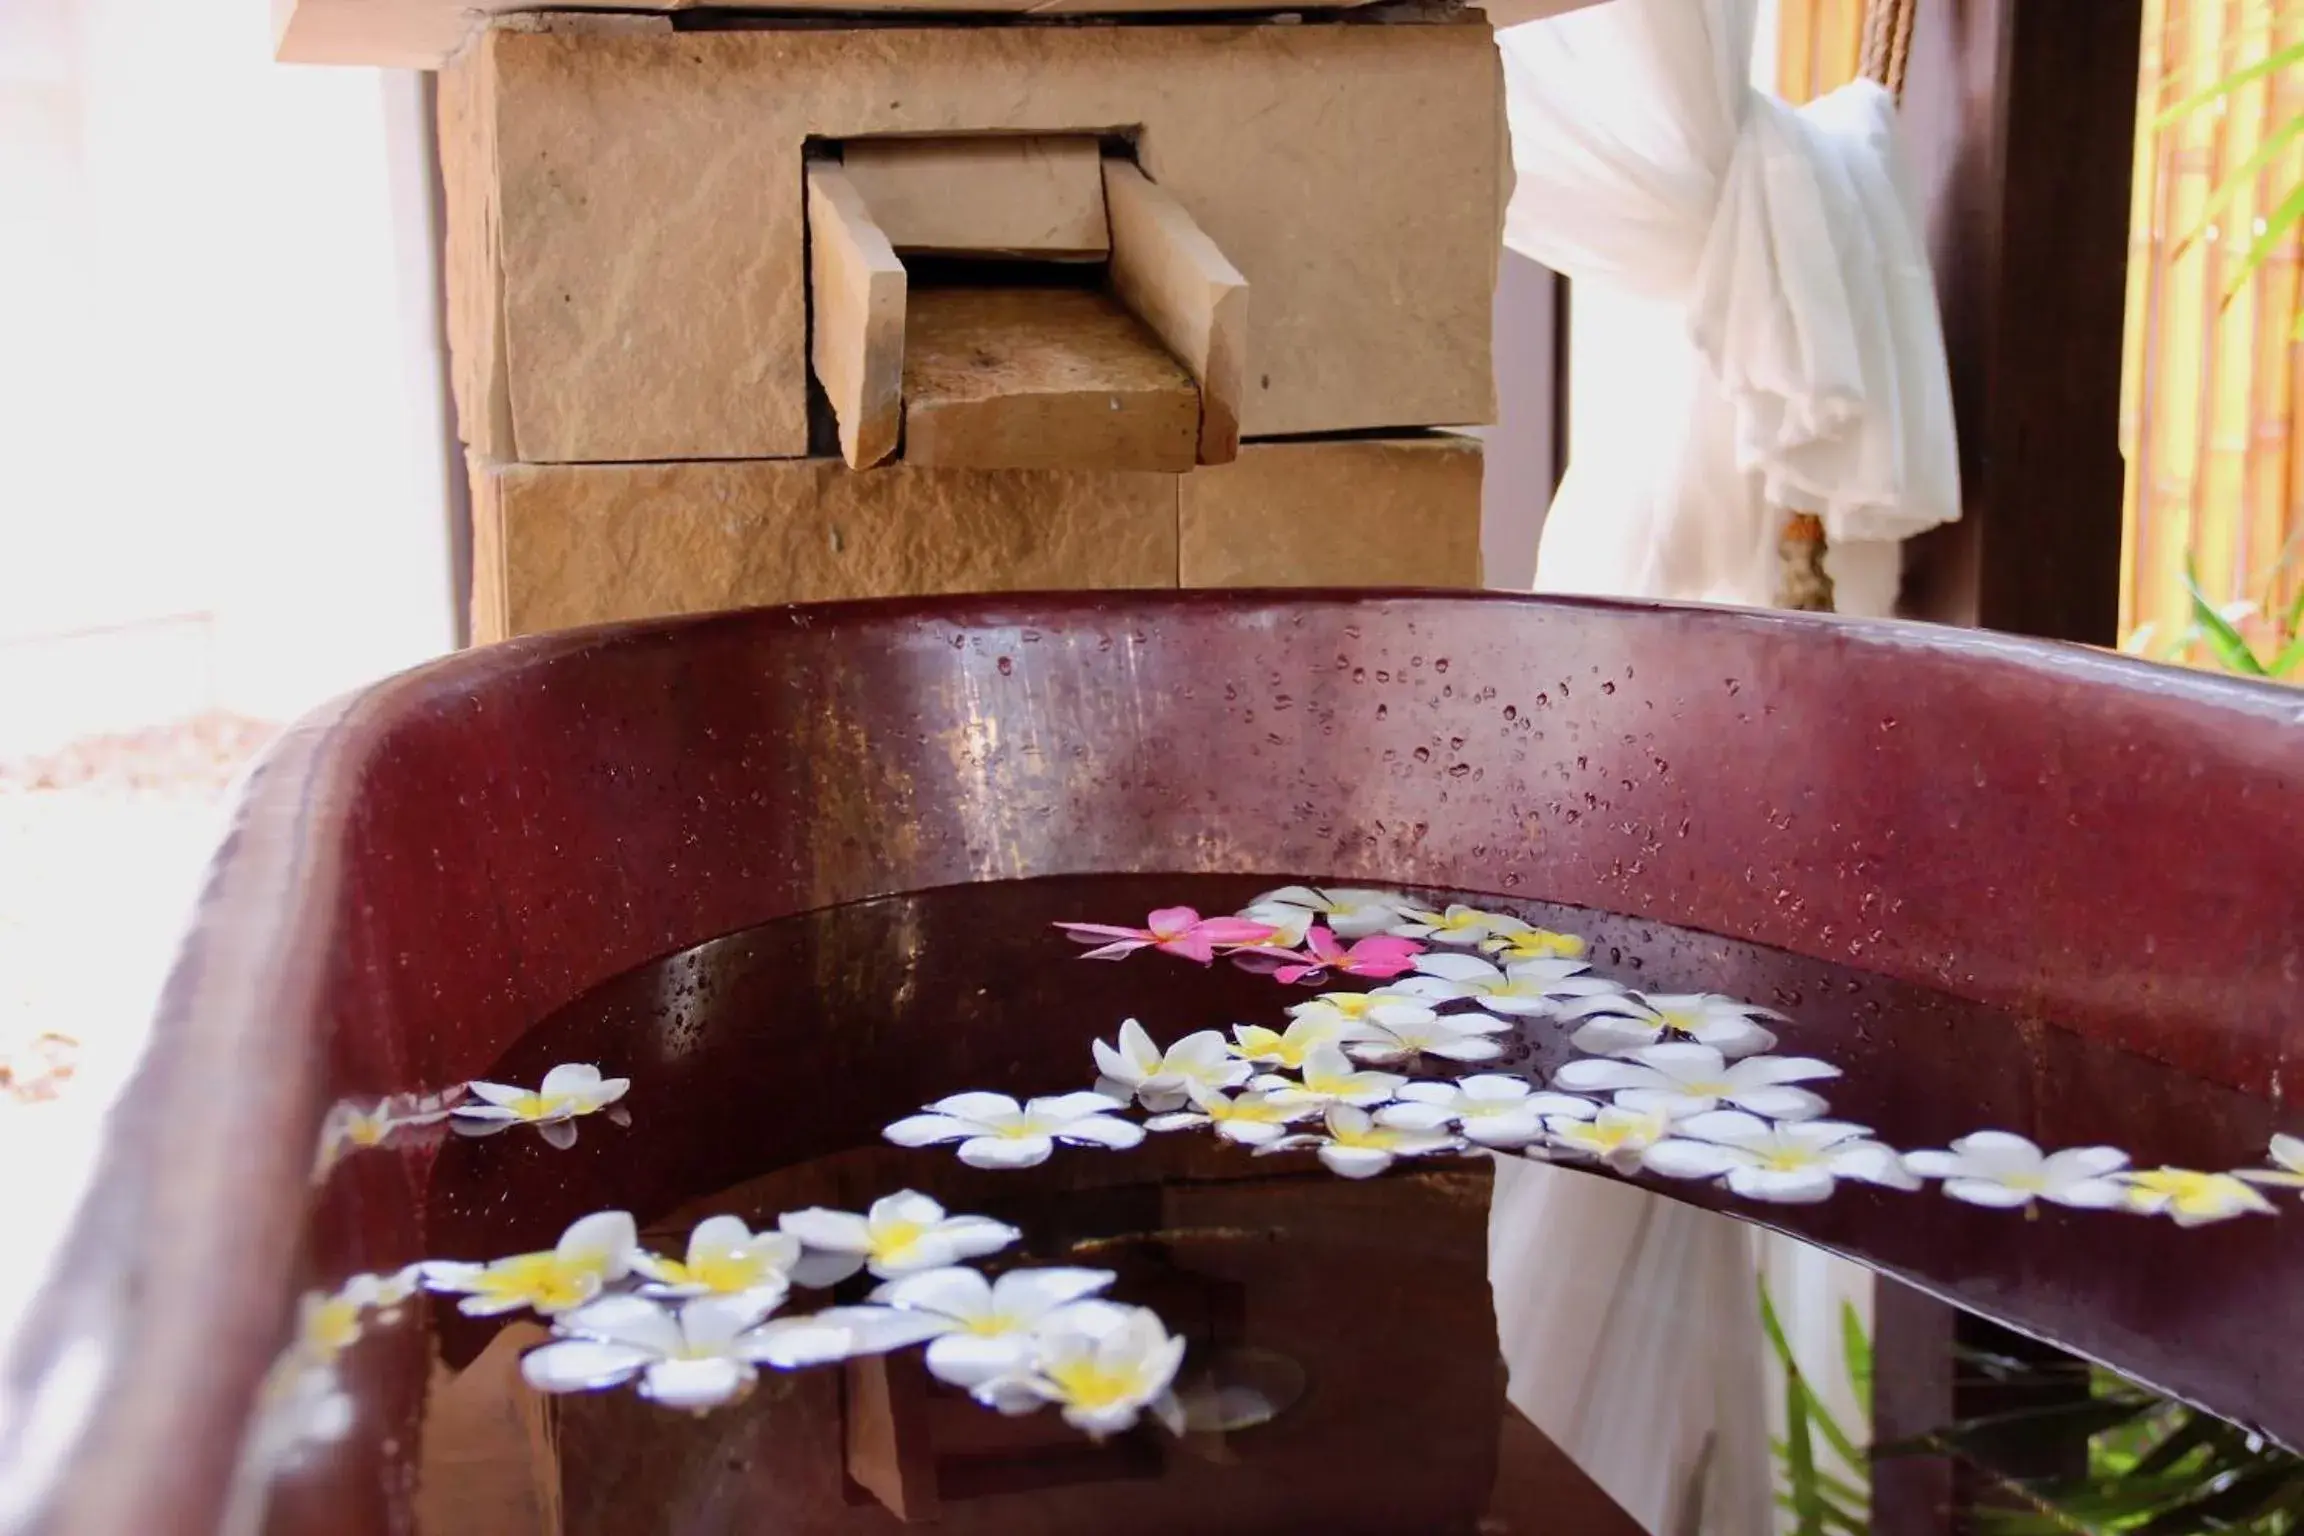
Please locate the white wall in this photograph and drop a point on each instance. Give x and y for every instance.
(220, 384)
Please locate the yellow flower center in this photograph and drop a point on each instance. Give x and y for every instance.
(1088, 1383)
(538, 1106)
(545, 1281)
(1789, 1160)
(1677, 1018)
(993, 1325)
(331, 1326)
(1542, 944)
(892, 1240)
(367, 1130)
(1350, 1005)
(725, 1272)
(2194, 1194)
(1246, 1112)
(1458, 922)
(1376, 1138)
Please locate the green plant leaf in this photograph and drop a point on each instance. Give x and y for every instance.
(1856, 1349)
(2272, 63)
(2277, 228)
(2223, 640)
(2290, 658)
(2242, 176)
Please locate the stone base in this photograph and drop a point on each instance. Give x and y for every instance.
(560, 545)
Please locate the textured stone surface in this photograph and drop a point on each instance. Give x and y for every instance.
(561, 545)
(1347, 514)
(1042, 378)
(647, 192)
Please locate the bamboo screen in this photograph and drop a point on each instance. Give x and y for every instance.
(2211, 384)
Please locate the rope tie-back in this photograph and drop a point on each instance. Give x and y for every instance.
(1802, 581)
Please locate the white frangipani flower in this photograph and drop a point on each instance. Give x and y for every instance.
(1306, 1033)
(1251, 1119)
(1531, 943)
(1527, 987)
(1102, 1363)
(983, 1328)
(2287, 1158)
(1491, 1109)
(1999, 1168)
(1161, 1081)
(1349, 914)
(725, 1258)
(568, 1090)
(2191, 1198)
(592, 1254)
(1348, 1007)
(994, 1131)
(1797, 1163)
(901, 1234)
(1404, 1030)
(705, 1355)
(1620, 1138)
(1626, 1021)
(1681, 1078)
(1329, 1077)
(1355, 1146)
(1458, 924)
(329, 1322)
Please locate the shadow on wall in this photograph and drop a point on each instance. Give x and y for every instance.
(1525, 446)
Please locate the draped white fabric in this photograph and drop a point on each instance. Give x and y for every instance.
(1755, 334)
(1759, 278)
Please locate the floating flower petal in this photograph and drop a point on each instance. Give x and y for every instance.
(568, 1091)
(591, 1254)
(901, 1234)
(1528, 987)
(1357, 1146)
(986, 1328)
(1491, 1109)
(2190, 1198)
(1138, 1069)
(1251, 1119)
(2001, 1169)
(1627, 1021)
(725, 1258)
(1528, 943)
(2287, 1171)
(1349, 914)
(1103, 1364)
(1681, 1078)
(1798, 1163)
(1619, 1138)
(994, 1131)
(1329, 1077)
(1305, 1034)
(1404, 1030)
(1380, 958)
(1459, 924)
(1172, 930)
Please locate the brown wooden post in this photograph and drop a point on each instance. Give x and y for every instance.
(2019, 119)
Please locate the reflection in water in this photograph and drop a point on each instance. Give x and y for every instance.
(1340, 1362)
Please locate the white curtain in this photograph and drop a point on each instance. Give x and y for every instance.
(1756, 276)
(1755, 335)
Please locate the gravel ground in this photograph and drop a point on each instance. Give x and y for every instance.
(102, 846)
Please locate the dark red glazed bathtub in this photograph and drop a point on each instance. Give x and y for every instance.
(420, 872)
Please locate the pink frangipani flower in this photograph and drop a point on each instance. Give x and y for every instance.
(1380, 958)
(1177, 930)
